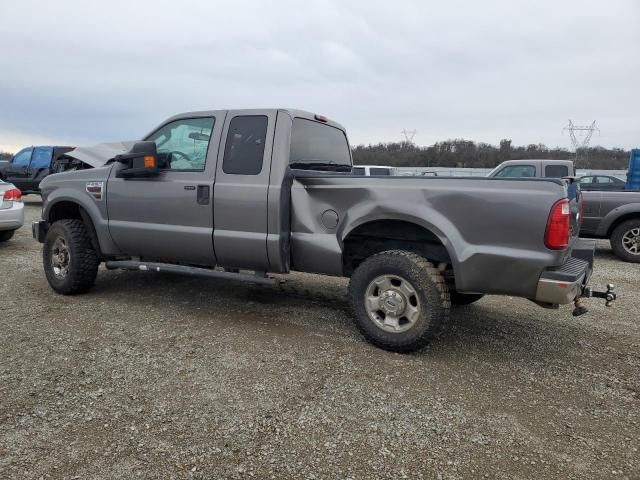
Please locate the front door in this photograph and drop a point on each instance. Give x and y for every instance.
(17, 170)
(170, 217)
(240, 194)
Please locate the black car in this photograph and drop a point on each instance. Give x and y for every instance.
(30, 165)
(601, 182)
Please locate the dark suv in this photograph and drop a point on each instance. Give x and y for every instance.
(30, 165)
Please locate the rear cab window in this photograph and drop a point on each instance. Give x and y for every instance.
(556, 171)
(315, 142)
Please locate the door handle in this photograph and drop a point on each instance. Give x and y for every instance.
(203, 195)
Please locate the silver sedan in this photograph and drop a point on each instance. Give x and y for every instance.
(11, 210)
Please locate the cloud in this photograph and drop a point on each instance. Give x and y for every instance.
(84, 71)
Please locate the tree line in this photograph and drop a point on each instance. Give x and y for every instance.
(466, 153)
(469, 154)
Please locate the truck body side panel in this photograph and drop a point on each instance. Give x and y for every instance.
(492, 229)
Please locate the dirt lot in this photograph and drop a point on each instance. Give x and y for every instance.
(170, 377)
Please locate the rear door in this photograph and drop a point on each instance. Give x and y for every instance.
(241, 188)
(17, 170)
(170, 217)
(39, 166)
(592, 201)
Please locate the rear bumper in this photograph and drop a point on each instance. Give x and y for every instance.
(563, 284)
(12, 218)
(39, 230)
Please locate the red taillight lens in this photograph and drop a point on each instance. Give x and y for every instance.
(559, 226)
(14, 195)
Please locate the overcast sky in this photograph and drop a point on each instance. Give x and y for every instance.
(82, 72)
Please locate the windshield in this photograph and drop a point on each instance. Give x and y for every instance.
(318, 143)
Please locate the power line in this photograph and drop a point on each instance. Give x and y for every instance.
(580, 136)
(408, 135)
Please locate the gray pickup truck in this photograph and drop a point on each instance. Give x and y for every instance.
(220, 193)
(607, 214)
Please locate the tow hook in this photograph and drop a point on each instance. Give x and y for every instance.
(610, 295)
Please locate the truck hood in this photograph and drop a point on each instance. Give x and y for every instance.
(100, 154)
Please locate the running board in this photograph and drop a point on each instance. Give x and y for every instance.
(259, 277)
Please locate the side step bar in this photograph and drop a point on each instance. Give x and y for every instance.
(259, 278)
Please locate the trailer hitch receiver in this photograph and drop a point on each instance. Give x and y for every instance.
(610, 295)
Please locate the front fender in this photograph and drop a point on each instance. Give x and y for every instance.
(72, 187)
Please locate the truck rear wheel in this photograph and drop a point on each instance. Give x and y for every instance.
(400, 300)
(625, 241)
(70, 262)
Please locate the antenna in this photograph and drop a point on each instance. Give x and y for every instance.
(580, 136)
(408, 135)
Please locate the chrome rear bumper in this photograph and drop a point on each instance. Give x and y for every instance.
(563, 284)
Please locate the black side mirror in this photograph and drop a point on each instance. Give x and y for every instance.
(140, 162)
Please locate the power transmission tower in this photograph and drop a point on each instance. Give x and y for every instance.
(408, 135)
(580, 137)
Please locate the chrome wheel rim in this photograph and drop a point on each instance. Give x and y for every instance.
(392, 303)
(631, 241)
(60, 258)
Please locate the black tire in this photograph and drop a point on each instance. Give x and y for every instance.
(458, 299)
(618, 238)
(431, 298)
(6, 235)
(81, 262)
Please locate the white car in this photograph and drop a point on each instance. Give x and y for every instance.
(11, 210)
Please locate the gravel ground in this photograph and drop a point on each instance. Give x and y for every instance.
(158, 376)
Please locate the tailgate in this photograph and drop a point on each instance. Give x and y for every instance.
(575, 200)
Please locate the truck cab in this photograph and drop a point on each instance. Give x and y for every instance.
(533, 169)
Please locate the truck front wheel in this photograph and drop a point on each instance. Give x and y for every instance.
(70, 261)
(400, 300)
(625, 241)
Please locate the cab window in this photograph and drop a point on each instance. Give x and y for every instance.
(358, 171)
(41, 157)
(183, 144)
(556, 171)
(244, 149)
(380, 171)
(22, 158)
(517, 171)
(314, 142)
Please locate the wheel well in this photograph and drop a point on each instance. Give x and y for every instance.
(623, 218)
(380, 235)
(71, 210)
(63, 210)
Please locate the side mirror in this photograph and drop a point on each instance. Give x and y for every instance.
(140, 162)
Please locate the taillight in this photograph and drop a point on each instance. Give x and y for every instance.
(14, 195)
(559, 226)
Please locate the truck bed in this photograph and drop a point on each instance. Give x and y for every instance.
(487, 226)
